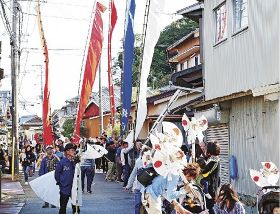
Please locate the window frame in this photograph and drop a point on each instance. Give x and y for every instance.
(217, 42)
(234, 19)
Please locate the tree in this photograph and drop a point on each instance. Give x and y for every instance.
(68, 128)
(160, 71)
(118, 63)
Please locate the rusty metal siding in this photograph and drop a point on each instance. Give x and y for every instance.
(244, 61)
(254, 137)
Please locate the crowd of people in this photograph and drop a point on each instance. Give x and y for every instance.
(122, 164)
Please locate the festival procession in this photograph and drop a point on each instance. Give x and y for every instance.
(145, 107)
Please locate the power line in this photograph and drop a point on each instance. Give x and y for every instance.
(57, 17)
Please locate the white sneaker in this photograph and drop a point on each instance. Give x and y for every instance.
(26, 183)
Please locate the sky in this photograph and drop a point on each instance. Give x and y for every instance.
(66, 25)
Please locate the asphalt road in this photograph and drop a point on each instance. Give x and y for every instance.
(107, 198)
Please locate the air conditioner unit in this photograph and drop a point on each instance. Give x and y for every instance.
(214, 115)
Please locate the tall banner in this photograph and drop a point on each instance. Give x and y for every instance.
(47, 135)
(154, 27)
(127, 63)
(112, 22)
(92, 62)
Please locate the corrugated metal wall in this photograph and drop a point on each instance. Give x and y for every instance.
(254, 137)
(220, 133)
(244, 61)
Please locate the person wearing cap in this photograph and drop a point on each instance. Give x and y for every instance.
(64, 175)
(48, 164)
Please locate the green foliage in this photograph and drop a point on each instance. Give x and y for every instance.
(160, 72)
(116, 131)
(68, 128)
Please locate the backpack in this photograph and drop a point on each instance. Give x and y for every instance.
(146, 175)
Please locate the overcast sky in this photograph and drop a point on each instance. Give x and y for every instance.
(66, 25)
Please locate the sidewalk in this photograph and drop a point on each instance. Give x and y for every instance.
(12, 196)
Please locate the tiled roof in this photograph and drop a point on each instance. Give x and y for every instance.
(30, 119)
(106, 98)
(175, 44)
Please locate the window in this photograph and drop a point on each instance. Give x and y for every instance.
(240, 15)
(181, 66)
(178, 67)
(186, 64)
(196, 60)
(221, 22)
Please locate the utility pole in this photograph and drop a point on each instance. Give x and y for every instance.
(100, 102)
(14, 81)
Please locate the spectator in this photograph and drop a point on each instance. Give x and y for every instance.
(87, 170)
(2, 158)
(125, 162)
(103, 142)
(58, 152)
(210, 173)
(228, 202)
(48, 164)
(27, 163)
(111, 161)
(118, 161)
(162, 186)
(138, 186)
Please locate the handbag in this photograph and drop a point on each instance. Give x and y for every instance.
(146, 175)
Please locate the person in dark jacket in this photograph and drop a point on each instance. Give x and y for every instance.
(111, 157)
(28, 162)
(210, 173)
(48, 164)
(2, 158)
(64, 175)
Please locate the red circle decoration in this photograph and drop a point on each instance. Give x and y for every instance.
(267, 165)
(184, 122)
(145, 163)
(157, 164)
(157, 147)
(256, 178)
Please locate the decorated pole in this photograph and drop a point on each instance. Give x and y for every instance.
(47, 135)
(92, 62)
(194, 129)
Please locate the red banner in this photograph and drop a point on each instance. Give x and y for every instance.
(47, 135)
(92, 62)
(112, 22)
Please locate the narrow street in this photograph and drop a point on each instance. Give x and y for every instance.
(107, 198)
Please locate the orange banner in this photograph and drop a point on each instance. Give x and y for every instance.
(92, 62)
(47, 135)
